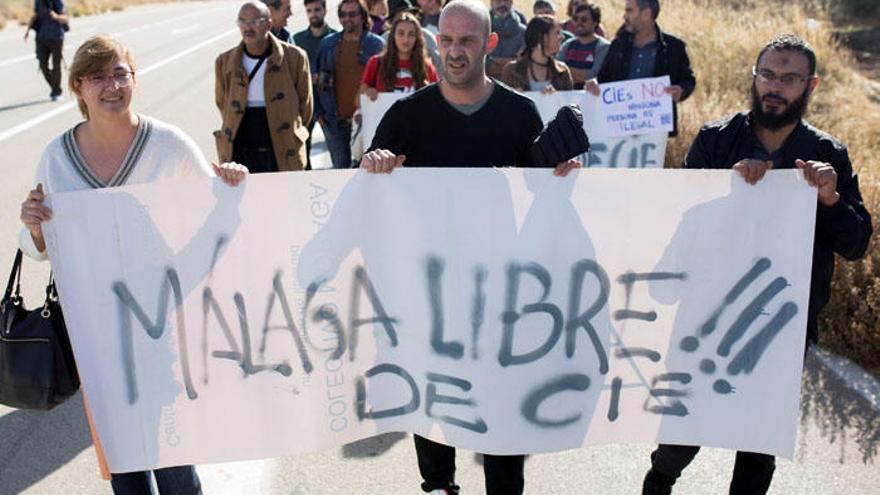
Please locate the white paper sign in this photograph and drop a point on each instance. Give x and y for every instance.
(499, 310)
(620, 132)
(636, 106)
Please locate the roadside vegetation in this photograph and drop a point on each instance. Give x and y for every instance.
(19, 11)
(723, 38)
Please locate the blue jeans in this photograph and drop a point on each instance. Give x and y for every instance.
(180, 480)
(338, 139)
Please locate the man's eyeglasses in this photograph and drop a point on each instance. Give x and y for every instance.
(121, 79)
(582, 18)
(252, 23)
(786, 80)
(351, 14)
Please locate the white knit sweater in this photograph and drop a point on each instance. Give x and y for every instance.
(159, 151)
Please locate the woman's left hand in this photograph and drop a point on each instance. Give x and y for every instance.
(549, 90)
(230, 173)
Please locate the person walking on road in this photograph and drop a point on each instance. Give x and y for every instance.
(50, 22)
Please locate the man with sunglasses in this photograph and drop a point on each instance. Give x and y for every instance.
(341, 60)
(584, 53)
(773, 135)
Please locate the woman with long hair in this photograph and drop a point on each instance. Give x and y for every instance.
(114, 146)
(403, 65)
(536, 69)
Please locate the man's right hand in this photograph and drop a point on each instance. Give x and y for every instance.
(752, 170)
(592, 87)
(381, 161)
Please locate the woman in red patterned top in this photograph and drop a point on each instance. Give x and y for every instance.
(403, 66)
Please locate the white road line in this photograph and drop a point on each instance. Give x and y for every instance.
(67, 106)
(29, 56)
(191, 27)
(853, 375)
(84, 34)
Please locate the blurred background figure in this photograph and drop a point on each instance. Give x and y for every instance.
(536, 69)
(279, 13)
(378, 15)
(510, 31)
(403, 66)
(50, 22)
(340, 66)
(309, 39)
(585, 53)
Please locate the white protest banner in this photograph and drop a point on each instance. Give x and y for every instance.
(627, 124)
(499, 310)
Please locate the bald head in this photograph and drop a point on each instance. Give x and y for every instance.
(258, 6)
(477, 12)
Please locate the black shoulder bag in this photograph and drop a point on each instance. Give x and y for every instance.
(37, 370)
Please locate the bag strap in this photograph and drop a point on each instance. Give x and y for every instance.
(257, 67)
(14, 278)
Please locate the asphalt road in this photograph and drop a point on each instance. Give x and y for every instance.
(175, 45)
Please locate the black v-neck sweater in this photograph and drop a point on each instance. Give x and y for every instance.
(433, 133)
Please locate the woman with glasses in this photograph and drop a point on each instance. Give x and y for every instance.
(115, 146)
(403, 66)
(536, 69)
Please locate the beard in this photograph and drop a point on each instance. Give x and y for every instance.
(792, 113)
(316, 22)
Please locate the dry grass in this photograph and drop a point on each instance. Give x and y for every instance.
(724, 37)
(20, 10)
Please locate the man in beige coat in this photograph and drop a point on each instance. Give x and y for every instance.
(264, 93)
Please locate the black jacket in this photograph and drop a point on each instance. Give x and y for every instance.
(671, 60)
(844, 228)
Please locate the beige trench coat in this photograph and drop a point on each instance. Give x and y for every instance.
(288, 94)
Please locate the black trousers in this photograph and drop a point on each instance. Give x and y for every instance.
(45, 50)
(504, 473)
(257, 160)
(180, 480)
(752, 472)
(309, 146)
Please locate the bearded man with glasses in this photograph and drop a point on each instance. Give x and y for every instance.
(774, 135)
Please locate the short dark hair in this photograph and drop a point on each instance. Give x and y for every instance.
(543, 4)
(654, 5)
(275, 4)
(789, 42)
(595, 11)
(323, 2)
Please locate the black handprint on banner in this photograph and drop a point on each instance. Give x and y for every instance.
(748, 356)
